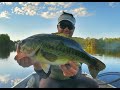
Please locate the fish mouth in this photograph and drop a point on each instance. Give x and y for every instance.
(19, 53)
(19, 56)
(22, 54)
(67, 32)
(16, 57)
(27, 52)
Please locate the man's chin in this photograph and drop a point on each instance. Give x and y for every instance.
(67, 34)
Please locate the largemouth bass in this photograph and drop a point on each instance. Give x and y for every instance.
(51, 49)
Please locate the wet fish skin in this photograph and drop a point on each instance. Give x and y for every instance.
(57, 50)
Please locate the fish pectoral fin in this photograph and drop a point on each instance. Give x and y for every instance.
(49, 56)
(45, 67)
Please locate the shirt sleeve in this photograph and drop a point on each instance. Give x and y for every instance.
(42, 74)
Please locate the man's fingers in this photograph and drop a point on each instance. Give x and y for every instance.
(24, 62)
(18, 61)
(66, 72)
(73, 71)
(28, 61)
(73, 65)
(70, 69)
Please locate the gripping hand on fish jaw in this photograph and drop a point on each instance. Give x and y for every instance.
(22, 59)
(19, 54)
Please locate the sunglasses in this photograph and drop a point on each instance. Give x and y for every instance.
(64, 24)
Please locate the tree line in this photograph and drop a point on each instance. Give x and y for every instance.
(6, 45)
(107, 46)
(5, 42)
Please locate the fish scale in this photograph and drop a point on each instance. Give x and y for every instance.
(62, 50)
(52, 49)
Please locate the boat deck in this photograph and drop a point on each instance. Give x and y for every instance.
(35, 78)
(102, 85)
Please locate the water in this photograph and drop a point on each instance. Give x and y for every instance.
(11, 72)
(111, 72)
(112, 64)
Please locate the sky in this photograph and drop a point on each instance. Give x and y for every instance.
(93, 19)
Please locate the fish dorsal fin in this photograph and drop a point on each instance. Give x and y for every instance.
(45, 67)
(49, 56)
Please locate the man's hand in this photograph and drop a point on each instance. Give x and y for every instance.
(70, 69)
(22, 59)
(24, 62)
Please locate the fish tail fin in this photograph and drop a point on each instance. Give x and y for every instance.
(96, 68)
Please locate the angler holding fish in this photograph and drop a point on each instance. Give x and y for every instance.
(59, 57)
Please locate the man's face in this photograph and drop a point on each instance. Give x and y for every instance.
(66, 28)
(65, 31)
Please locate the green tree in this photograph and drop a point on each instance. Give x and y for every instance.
(4, 40)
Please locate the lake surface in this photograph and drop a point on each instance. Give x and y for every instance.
(11, 72)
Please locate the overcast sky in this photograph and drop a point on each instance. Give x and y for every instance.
(93, 19)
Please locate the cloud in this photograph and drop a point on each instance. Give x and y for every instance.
(49, 15)
(113, 4)
(6, 3)
(34, 3)
(29, 3)
(81, 11)
(29, 8)
(4, 78)
(52, 8)
(18, 10)
(46, 10)
(59, 4)
(4, 14)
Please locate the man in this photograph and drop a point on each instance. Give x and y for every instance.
(60, 76)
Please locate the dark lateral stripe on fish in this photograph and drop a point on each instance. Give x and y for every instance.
(60, 49)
